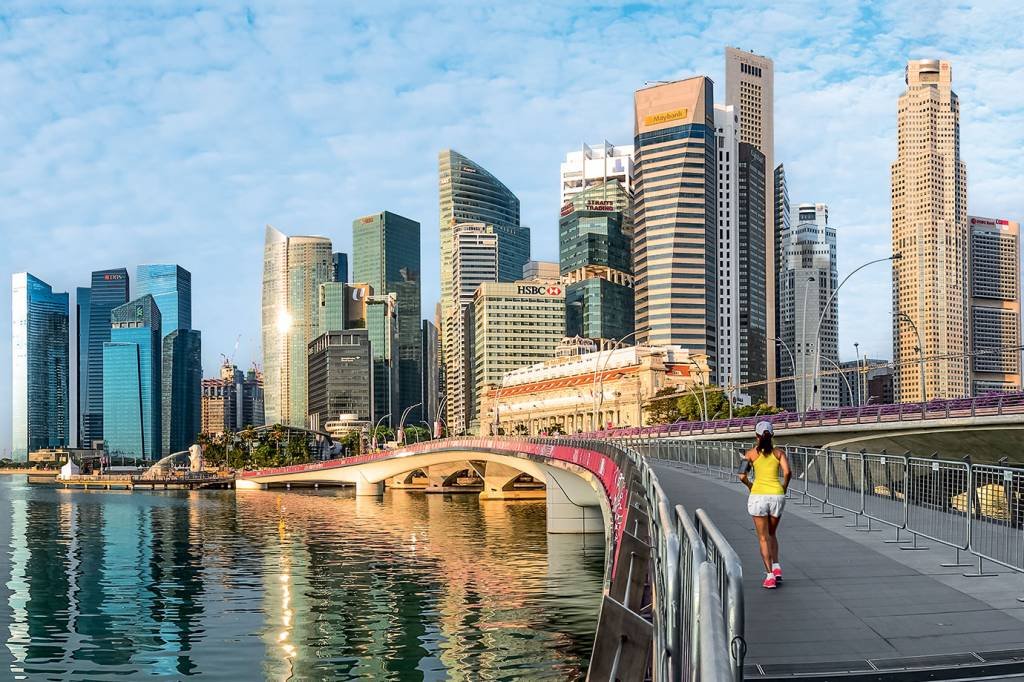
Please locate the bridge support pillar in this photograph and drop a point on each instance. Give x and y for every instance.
(499, 483)
(441, 478)
(246, 484)
(572, 505)
(365, 488)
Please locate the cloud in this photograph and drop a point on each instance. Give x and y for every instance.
(171, 133)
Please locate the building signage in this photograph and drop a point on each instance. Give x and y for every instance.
(109, 278)
(567, 208)
(665, 117)
(600, 206)
(541, 290)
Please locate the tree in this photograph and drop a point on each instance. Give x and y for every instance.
(415, 434)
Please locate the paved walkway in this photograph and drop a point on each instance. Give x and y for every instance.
(848, 596)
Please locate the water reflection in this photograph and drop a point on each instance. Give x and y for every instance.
(291, 585)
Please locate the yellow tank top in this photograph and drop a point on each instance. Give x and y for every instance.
(766, 475)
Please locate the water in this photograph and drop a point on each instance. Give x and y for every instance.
(289, 585)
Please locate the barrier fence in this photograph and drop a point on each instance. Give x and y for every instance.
(972, 508)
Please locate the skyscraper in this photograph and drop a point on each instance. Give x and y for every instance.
(386, 255)
(930, 232)
(131, 380)
(595, 240)
(82, 309)
(293, 270)
(750, 88)
(782, 225)
(339, 261)
(726, 131)
(675, 243)
(109, 289)
(340, 377)
(995, 305)
(809, 276)
(181, 355)
(474, 261)
(41, 368)
(431, 347)
(595, 166)
(753, 276)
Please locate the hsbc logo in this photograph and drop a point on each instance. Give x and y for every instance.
(534, 290)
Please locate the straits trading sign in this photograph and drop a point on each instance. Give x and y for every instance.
(665, 117)
(539, 290)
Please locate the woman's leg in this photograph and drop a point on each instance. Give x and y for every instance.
(761, 526)
(773, 540)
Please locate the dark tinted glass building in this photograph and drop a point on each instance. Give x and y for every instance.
(752, 289)
(109, 289)
(181, 387)
(340, 377)
(339, 261)
(40, 371)
(82, 310)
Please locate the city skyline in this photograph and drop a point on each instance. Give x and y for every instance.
(119, 207)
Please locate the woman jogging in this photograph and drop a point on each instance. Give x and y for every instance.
(767, 497)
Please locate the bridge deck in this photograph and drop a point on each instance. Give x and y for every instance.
(849, 597)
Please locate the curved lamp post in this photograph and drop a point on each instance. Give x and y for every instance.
(920, 352)
(824, 312)
(401, 422)
(703, 390)
(599, 398)
(792, 361)
(377, 426)
(849, 388)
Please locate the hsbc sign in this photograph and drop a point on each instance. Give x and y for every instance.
(539, 290)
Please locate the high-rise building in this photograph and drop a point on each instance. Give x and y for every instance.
(232, 402)
(131, 380)
(386, 255)
(515, 324)
(726, 131)
(108, 290)
(595, 166)
(340, 378)
(995, 305)
(181, 365)
(331, 307)
(41, 368)
(540, 269)
(471, 194)
(675, 242)
(865, 381)
(753, 276)
(339, 262)
(430, 344)
(474, 261)
(293, 270)
(930, 293)
(595, 240)
(82, 310)
(781, 234)
(809, 276)
(750, 88)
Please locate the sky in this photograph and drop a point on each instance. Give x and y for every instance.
(173, 132)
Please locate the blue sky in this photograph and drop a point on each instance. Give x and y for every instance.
(172, 132)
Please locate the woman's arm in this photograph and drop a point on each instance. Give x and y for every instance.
(744, 471)
(784, 463)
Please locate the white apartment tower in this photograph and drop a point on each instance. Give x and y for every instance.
(995, 305)
(930, 297)
(726, 128)
(595, 165)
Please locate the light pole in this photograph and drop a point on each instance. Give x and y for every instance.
(703, 390)
(920, 352)
(824, 312)
(497, 412)
(792, 361)
(430, 434)
(401, 422)
(859, 374)
(849, 388)
(599, 399)
(377, 426)
(437, 417)
(803, 349)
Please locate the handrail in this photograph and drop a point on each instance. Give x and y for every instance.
(714, 659)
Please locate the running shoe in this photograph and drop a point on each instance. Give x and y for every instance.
(769, 582)
(777, 572)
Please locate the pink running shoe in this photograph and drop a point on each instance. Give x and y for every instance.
(777, 572)
(769, 582)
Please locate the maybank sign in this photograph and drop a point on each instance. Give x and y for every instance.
(666, 116)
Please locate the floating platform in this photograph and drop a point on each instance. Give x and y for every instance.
(106, 482)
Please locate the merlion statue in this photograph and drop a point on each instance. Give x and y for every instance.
(195, 458)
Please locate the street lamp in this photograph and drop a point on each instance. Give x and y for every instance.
(703, 390)
(824, 312)
(437, 417)
(401, 422)
(430, 434)
(920, 352)
(859, 375)
(792, 361)
(599, 399)
(849, 388)
(377, 426)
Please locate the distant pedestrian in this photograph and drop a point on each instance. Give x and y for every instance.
(767, 496)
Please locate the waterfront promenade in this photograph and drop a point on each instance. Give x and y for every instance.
(850, 601)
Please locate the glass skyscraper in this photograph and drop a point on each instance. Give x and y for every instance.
(181, 355)
(83, 303)
(109, 289)
(40, 372)
(131, 380)
(386, 255)
(339, 262)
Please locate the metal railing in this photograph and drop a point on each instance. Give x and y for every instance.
(972, 508)
(981, 406)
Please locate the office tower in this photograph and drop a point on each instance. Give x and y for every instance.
(995, 305)
(470, 194)
(430, 343)
(595, 166)
(540, 269)
(108, 290)
(181, 365)
(750, 88)
(781, 222)
(474, 261)
(752, 297)
(865, 381)
(340, 378)
(293, 270)
(595, 241)
(381, 315)
(809, 276)
(252, 399)
(339, 262)
(515, 324)
(232, 402)
(131, 380)
(726, 132)
(675, 244)
(82, 309)
(386, 255)
(930, 233)
(41, 368)
(331, 307)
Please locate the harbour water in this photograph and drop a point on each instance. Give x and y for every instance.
(290, 585)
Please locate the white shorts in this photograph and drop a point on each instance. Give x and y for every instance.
(766, 505)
